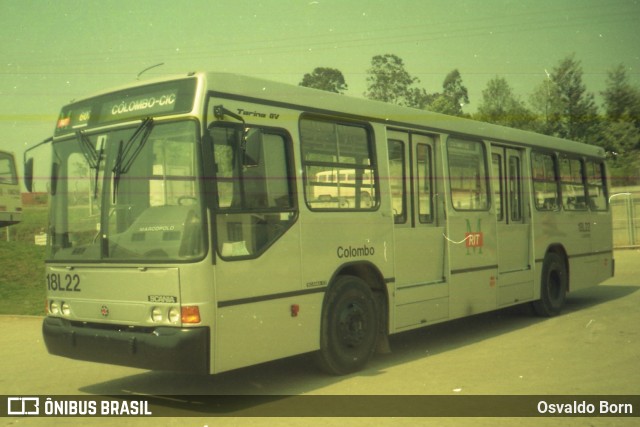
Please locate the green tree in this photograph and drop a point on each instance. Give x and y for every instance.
(500, 106)
(544, 104)
(621, 140)
(329, 79)
(388, 81)
(570, 111)
(621, 99)
(453, 97)
(620, 135)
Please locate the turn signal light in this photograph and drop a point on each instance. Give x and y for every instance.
(190, 314)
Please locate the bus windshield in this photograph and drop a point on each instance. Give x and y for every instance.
(10, 201)
(127, 194)
(7, 169)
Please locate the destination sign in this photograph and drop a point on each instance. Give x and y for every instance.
(173, 97)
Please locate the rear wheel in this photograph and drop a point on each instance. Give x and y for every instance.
(554, 285)
(349, 327)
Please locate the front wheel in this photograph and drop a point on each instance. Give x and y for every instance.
(554, 285)
(349, 327)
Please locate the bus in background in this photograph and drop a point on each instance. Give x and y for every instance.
(339, 187)
(10, 199)
(210, 221)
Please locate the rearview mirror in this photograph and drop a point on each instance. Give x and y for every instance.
(28, 164)
(54, 179)
(28, 175)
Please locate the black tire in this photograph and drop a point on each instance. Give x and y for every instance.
(349, 327)
(553, 287)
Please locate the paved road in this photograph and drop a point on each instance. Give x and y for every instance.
(593, 348)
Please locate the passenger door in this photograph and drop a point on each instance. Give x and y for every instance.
(515, 280)
(471, 227)
(418, 244)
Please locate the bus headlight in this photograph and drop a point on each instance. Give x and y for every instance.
(66, 310)
(156, 314)
(54, 308)
(174, 315)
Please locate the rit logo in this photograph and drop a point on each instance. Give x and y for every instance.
(474, 240)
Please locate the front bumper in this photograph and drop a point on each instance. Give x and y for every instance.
(161, 348)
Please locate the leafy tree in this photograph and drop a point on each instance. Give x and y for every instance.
(419, 98)
(620, 134)
(544, 104)
(388, 81)
(329, 79)
(454, 95)
(621, 99)
(500, 106)
(569, 111)
(621, 140)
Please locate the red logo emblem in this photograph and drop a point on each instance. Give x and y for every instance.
(474, 240)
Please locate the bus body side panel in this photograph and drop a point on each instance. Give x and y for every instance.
(602, 244)
(332, 240)
(566, 232)
(255, 321)
(601, 231)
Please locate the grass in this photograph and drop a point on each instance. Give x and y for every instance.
(22, 284)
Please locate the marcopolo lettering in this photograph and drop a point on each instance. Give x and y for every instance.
(351, 252)
(158, 228)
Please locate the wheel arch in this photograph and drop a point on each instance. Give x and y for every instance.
(373, 277)
(367, 272)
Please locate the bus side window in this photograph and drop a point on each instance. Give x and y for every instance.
(597, 186)
(468, 175)
(515, 183)
(255, 197)
(425, 187)
(397, 180)
(339, 165)
(572, 184)
(545, 181)
(496, 160)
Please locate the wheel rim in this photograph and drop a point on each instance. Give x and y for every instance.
(352, 325)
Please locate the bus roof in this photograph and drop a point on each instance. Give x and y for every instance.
(284, 95)
(314, 100)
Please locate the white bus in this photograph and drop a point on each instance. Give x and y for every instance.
(339, 187)
(189, 233)
(10, 198)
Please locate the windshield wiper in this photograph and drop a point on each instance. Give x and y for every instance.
(88, 151)
(126, 156)
(92, 155)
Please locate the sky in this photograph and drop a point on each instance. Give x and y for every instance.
(54, 51)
